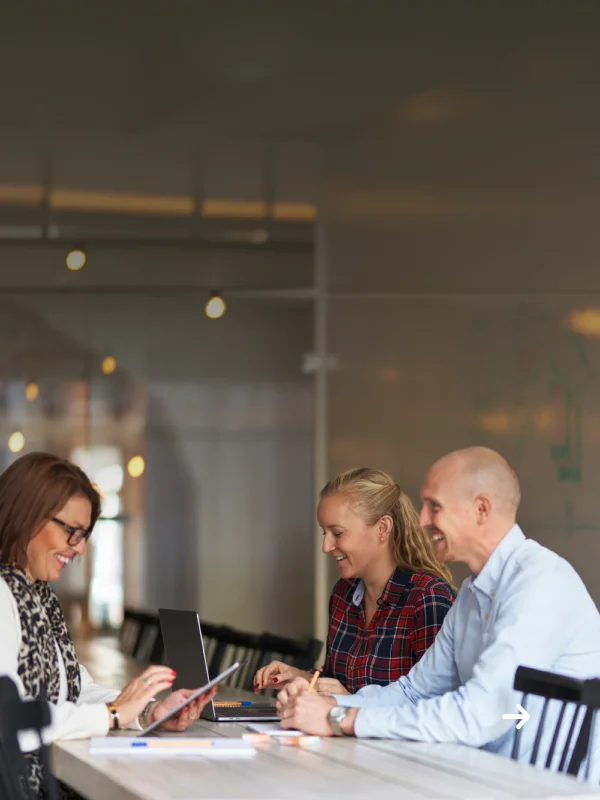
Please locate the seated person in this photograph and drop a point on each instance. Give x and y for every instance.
(523, 605)
(48, 509)
(393, 593)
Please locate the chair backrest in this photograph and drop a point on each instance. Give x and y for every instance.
(129, 632)
(140, 636)
(18, 715)
(215, 646)
(580, 695)
(233, 645)
(224, 645)
(300, 654)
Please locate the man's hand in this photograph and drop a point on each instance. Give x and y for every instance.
(330, 686)
(293, 688)
(306, 711)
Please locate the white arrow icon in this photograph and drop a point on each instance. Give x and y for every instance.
(523, 716)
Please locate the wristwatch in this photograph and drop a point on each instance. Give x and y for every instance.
(114, 716)
(336, 716)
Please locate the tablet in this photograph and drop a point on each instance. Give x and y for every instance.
(174, 711)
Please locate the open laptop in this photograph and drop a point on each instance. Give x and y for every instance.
(184, 649)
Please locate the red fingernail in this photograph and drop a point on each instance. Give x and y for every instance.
(274, 680)
(173, 671)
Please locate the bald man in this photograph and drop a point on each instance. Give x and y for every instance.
(523, 605)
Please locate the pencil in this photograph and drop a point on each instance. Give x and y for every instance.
(311, 685)
(232, 704)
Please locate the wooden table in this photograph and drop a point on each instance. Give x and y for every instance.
(344, 768)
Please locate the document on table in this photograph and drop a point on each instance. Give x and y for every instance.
(168, 746)
(272, 729)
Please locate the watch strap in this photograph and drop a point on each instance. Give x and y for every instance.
(335, 720)
(114, 715)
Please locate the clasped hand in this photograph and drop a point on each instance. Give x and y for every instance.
(303, 710)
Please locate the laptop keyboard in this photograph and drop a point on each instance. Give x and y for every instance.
(258, 710)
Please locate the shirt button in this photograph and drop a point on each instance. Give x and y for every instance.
(487, 616)
(491, 594)
(379, 602)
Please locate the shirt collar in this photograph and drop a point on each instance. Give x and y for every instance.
(488, 578)
(391, 595)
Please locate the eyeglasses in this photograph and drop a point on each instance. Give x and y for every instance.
(76, 535)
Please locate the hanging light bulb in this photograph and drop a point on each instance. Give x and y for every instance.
(16, 442)
(32, 391)
(76, 259)
(215, 307)
(109, 365)
(136, 466)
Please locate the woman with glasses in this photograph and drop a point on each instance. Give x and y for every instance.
(48, 509)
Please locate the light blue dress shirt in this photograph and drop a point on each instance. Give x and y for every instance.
(526, 607)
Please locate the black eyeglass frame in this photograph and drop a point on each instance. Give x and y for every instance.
(76, 535)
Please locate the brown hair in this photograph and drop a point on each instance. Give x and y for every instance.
(373, 495)
(33, 489)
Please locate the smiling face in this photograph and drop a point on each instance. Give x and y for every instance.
(49, 552)
(358, 549)
(450, 515)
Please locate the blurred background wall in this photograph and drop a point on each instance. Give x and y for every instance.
(399, 210)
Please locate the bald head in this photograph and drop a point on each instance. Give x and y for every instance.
(479, 470)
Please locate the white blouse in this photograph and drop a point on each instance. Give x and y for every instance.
(87, 717)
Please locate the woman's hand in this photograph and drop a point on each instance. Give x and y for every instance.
(275, 675)
(330, 686)
(137, 694)
(187, 715)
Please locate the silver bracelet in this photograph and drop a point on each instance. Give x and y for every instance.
(143, 717)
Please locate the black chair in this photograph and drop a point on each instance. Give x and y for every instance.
(215, 645)
(149, 647)
(580, 695)
(130, 631)
(17, 715)
(224, 645)
(140, 636)
(233, 645)
(300, 654)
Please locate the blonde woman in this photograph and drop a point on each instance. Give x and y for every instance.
(392, 595)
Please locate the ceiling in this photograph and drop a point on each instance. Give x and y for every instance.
(276, 68)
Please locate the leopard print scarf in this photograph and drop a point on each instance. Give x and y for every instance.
(42, 623)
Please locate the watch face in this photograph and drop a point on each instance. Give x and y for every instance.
(338, 713)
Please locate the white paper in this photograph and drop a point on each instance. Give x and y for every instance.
(172, 747)
(272, 729)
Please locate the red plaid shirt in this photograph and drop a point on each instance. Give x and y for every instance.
(410, 612)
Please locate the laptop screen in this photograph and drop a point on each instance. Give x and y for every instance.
(184, 648)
